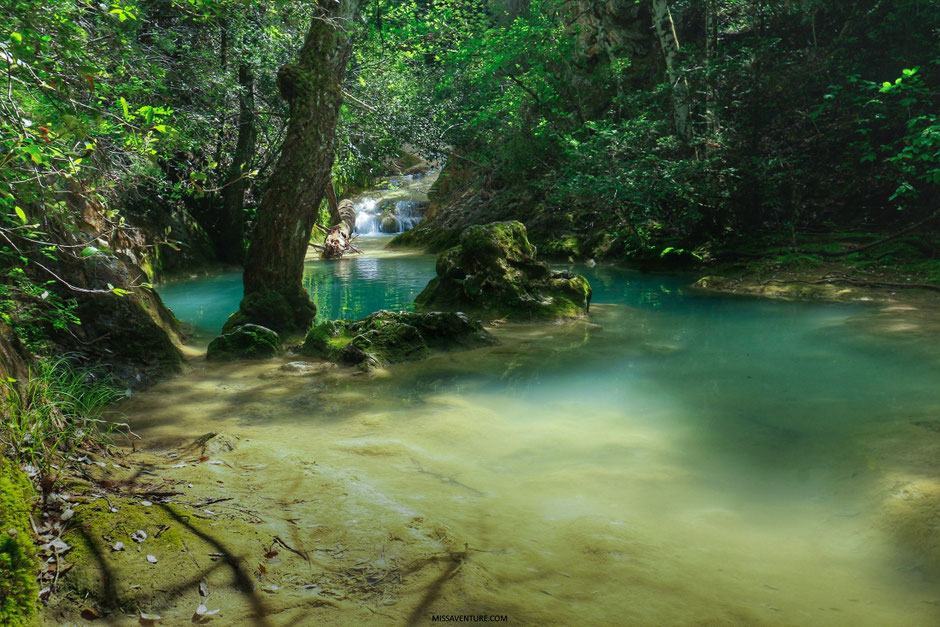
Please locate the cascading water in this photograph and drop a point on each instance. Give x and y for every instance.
(396, 209)
(373, 217)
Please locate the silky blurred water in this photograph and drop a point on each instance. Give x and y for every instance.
(678, 458)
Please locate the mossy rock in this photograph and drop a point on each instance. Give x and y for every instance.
(388, 337)
(18, 563)
(493, 273)
(249, 341)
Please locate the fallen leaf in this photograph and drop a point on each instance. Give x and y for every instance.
(118, 546)
(270, 589)
(90, 614)
(139, 536)
(203, 588)
(146, 503)
(151, 559)
(179, 465)
(215, 462)
(271, 554)
(67, 515)
(59, 546)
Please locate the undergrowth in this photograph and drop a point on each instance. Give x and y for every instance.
(57, 410)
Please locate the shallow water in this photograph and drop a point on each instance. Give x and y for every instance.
(352, 287)
(679, 458)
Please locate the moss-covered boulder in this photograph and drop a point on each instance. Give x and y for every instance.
(388, 337)
(493, 273)
(249, 341)
(18, 566)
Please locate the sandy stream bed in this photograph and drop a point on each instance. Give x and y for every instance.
(283, 527)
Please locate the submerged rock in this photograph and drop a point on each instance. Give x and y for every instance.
(212, 444)
(305, 368)
(388, 337)
(248, 341)
(493, 273)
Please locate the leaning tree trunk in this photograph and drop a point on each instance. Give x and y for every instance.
(231, 232)
(337, 241)
(274, 292)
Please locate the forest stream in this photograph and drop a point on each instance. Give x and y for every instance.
(678, 458)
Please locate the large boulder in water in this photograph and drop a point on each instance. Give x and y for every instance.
(388, 337)
(248, 341)
(493, 273)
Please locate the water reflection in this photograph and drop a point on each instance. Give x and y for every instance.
(351, 287)
(679, 458)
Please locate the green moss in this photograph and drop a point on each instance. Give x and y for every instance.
(493, 273)
(564, 246)
(124, 579)
(428, 236)
(388, 337)
(326, 340)
(248, 341)
(18, 563)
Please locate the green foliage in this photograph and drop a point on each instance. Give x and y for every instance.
(792, 122)
(58, 408)
(33, 311)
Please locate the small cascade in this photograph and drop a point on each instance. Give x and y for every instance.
(396, 209)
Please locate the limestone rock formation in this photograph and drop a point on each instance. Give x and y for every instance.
(493, 273)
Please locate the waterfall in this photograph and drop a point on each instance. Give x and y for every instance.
(394, 210)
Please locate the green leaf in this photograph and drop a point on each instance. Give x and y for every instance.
(20, 214)
(88, 251)
(119, 291)
(127, 112)
(16, 37)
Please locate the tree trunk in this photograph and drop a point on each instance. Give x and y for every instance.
(711, 55)
(223, 69)
(231, 236)
(666, 32)
(274, 292)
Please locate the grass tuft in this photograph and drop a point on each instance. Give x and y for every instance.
(58, 409)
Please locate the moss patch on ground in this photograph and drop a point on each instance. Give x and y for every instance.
(19, 593)
(112, 569)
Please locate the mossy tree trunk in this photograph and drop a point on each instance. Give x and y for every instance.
(274, 293)
(231, 234)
